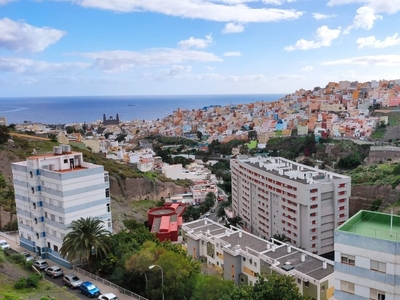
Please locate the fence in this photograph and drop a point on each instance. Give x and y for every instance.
(10, 235)
(110, 284)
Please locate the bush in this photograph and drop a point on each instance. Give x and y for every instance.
(33, 281)
(20, 284)
(18, 258)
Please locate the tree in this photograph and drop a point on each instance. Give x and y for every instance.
(235, 221)
(87, 240)
(211, 288)
(350, 161)
(199, 135)
(280, 237)
(4, 134)
(252, 135)
(277, 287)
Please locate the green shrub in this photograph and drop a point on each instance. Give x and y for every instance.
(33, 281)
(18, 258)
(44, 298)
(20, 284)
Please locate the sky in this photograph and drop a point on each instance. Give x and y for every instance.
(189, 47)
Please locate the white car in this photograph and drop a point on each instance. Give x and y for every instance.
(4, 245)
(108, 296)
(27, 256)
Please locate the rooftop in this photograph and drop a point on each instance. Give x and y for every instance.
(373, 224)
(311, 266)
(288, 169)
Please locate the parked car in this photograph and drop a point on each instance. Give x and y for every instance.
(4, 245)
(89, 289)
(27, 256)
(72, 281)
(108, 296)
(40, 264)
(54, 271)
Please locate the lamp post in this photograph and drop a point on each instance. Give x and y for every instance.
(162, 278)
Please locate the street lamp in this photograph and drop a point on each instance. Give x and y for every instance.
(162, 278)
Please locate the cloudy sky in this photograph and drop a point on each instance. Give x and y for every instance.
(156, 47)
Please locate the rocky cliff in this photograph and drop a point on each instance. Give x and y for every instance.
(132, 189)
(363, 196)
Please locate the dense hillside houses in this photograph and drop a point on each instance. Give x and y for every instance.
(341, 109)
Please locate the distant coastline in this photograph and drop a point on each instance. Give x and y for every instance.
(67, 110)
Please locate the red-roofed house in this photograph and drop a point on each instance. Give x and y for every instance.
(166, 221)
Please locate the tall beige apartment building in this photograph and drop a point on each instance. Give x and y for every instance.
(278, 196)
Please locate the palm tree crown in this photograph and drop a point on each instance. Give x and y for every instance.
(88, 239)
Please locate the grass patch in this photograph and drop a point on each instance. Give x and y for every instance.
(380, 174)
(143, 205)
(394, 118)
(44, 289)
(378, 133)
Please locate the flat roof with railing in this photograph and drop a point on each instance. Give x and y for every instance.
(373, 224)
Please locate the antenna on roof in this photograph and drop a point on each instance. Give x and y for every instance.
(391, 221)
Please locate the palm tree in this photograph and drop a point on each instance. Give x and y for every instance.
(235, 221)
(280, 237)
(87, 240)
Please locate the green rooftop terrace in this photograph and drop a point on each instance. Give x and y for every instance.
(373, 224)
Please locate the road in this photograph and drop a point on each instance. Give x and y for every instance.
(103, 286)
(28, 136)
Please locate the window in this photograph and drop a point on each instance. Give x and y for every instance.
(30, 173)
(109, 223)
(347, 287)
(306, 283)
(107, 193)
(33, 190)
(108, 207)
(348, 259)
(378, 266)
(53, 232)
(45, 214)
(61, 220)
(376, 294)
(55, 248)
(298, 280)
(322, 288)
(34, 205)
(65, 161)
(52, 217)
(48, 245)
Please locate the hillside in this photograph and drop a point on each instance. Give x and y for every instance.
(126, 184)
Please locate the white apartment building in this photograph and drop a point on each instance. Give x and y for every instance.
(202, 188)
(241, 257)
(278, 196)
(51, 191)
(367, 257)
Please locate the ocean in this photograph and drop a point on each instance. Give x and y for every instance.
(67, 110)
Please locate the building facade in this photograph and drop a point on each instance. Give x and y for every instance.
(278, 196)
(367, 257)
(51, 191)
(241, 257)
(165, 222)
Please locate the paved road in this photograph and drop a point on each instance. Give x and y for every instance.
(104, 288)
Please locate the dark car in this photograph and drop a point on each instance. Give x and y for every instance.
(40, 264)
(72, 281)
(89, 289)
(54, 271)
